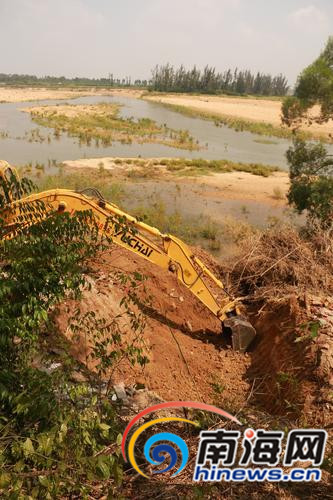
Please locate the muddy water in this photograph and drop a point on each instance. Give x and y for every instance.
(197, 200)
(198, 203)
(216, 142)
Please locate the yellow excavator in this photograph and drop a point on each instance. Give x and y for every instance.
(163, 250)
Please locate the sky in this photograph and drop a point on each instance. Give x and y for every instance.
(129, 37)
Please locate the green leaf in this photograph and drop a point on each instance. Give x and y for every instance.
(43, 481)
(5, 480)
(103, 467)
(28, 447)
(104, 427)
(45, 444)
(44, 314)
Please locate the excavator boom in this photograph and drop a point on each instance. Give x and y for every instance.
(164, 250)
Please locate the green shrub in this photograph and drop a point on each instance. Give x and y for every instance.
(59, 439)
(311, 181)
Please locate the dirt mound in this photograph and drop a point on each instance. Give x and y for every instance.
(189, 358)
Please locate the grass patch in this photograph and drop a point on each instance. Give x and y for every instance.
(197, 230)
(102, 124)
(144, 168)
(144, 172)
(241, 124)
(256, 97)
(200, 166)
(112, 191)
(265, 141)
(190, 229)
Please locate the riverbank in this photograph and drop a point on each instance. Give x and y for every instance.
(23, 94)
(260, 116)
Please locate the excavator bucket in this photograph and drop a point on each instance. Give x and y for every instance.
(242, 332)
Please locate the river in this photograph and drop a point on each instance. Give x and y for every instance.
(217, 142)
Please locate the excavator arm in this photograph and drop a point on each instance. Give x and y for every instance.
(164, 250)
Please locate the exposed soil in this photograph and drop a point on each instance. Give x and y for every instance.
(12, 94)
(279, 365)
(187, 352)
(74, 110)
(190, 359)
(270, 190)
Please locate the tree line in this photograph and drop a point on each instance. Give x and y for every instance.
(33, 80)
(166, 78)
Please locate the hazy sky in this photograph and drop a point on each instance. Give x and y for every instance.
(128, 37)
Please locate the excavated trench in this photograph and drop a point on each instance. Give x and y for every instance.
(280, 368)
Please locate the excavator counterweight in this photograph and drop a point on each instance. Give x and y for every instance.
(163, 250)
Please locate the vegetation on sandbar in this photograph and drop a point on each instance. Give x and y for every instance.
(103, 124)
(194, 167)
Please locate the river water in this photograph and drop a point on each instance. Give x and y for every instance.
(218, 142)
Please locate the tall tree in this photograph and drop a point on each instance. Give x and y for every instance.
(311, 167)
(314, 86)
